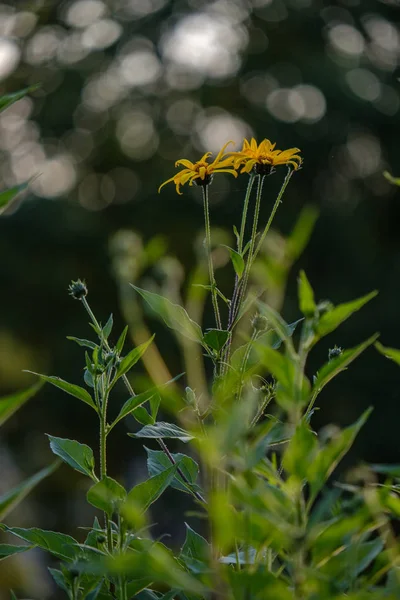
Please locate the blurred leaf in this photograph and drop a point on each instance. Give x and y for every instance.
(58, 544)
(132, 358)
(216, 338)
(389, 177)
(237, 261)
(108, 327)
(327, 458)
(300, 451)
(7, 99)
(258, 586)
(82, 342)
(60, 579)
(78, 456)
(144, 494)
(195, 545)
(163, 430)
(70, 388)
(8, 550)
(10, 404)
(7, 196)
(330, 320)
(12, 595)
(107, 495)
(339, 364)
(306, 296)
(344, 567)
(283, 329)
(13, 497)
(157, 462)
(390, 470)
(391, 353)
(173, 315)
(301, 233)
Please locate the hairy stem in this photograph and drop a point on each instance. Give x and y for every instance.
(214, 295)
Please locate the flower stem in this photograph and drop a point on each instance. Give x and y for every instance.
(244, 213)
(214, 295)
(131, 391)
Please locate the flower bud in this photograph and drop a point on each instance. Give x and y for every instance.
(78, 289)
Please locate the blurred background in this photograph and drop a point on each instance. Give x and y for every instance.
(127, 88)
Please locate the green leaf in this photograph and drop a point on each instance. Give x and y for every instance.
(144, 494)
(78, 456)
(306, 296)
(389, 177)
(330, 320)
(173, 315)
(392, 353)
(327, 458)
(6, 196)
(163, 430)
(81, 342)
(70, 388)
(60, 579)
(142, 416)
(300, 451)
(132, 358)
(107, 495)
(237, 261)
(339, 364)
(216, 338)
(8, 550)
(301, 233)
(195, 546)
(7, 99)
(157, 462)
(10, 404)
(13, 497)
(58, 544)
(131, 404)
(119, 346)
(108, 327)
(283, 329)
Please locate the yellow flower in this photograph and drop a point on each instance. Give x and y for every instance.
(201, 172)
(264, 157)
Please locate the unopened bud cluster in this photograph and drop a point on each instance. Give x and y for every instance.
(78, 289)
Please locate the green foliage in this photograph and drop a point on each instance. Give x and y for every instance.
(107, 495)
(76, 455)
(10, 404)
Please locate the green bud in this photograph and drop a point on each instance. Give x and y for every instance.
(77, 289)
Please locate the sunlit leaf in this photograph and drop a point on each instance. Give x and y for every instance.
(132, 358)
(392, 353)
(6, 196)
(163, 430)
(330, 320)
(173, 315)
(306, 296)
(7, 99)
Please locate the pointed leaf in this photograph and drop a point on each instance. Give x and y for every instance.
(300, 451)
(306, 296)
(58, 544)
(13, 497)
(283, 329)
(144, 494)
(131, 404)
(82, 342)
(8, 550)
(119, 346)
(216, 338)
(78, 456)
(391, 179)
(70, 388)
(392, 353)
(334, 317)
(107, 495)
(132, 358)
(163, 430)
(237, 261)
(7, 99)
(60, 579)
(108, 327)
(10, 404)
(157, 462)
(195, 546)
(339, 364)
(6, 196)
(173, 315)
